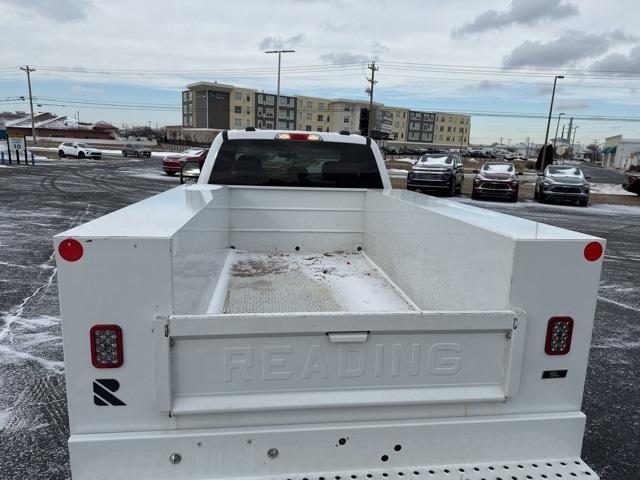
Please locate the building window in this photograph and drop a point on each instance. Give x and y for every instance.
(269, 112)
(238, 96)
(345, 120)
(190, 96)
(441, 128)
(282, 125)
(448, 129)
(397, 124)
(321, 118)
(448, 139)
(184, 96)
(248, 97)
(237, 109)
(450, 120)
(309, 116)
(404, 114)
(260, 112)
(237, 122)
(440, 137)
(268, 125)
(260, 124)
(260, 98)
(307, 128)
(319, 129)
(270, 100)
(347, 108)
(321, 106)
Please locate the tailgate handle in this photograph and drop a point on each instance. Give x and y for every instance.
(347, 337)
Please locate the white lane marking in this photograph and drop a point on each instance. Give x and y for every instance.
(623, 305)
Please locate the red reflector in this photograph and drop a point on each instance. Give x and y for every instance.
(106, 346)
(593, 251)
(70, 250)
(559, 331)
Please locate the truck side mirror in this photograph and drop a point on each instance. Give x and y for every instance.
(190, 171)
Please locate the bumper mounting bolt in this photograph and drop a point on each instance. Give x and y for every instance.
(175, 458)
(273, 453)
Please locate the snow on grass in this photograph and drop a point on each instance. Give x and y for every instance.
(397, 173)
(404, 160)
(609, 189)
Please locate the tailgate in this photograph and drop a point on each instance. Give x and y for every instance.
(225, 363)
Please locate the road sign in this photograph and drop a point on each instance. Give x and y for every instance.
(17, 144)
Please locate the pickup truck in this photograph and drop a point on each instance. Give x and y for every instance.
(290, 316)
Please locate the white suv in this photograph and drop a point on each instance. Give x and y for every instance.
(80, 150)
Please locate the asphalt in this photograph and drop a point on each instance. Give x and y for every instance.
(37, 202)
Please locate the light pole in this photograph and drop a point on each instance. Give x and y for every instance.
(279, 52)
(546, 135)
(508, 143)
(575, 129)
(556, 136)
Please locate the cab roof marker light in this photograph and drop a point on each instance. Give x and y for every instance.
(298, 136)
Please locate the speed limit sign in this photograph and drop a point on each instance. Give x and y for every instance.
(17, 143)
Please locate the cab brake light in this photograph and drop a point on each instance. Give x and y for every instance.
(559, 331)
(298, 136)
(106, 346)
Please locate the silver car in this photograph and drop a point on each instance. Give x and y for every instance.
(562, 182)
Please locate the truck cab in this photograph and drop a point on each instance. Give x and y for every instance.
(290, 316)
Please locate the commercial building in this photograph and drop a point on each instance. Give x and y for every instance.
(210, 107)
(622, 153)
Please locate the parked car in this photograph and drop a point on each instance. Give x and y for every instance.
(562, 182)
(173, 163)
(79, 150)
(496, 179)
(632, 182)
(136, 150)
(437, 172)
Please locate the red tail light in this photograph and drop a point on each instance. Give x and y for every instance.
(298, 136)
(559, 331)
(106, 346)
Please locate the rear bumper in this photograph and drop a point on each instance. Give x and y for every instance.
(478, 447)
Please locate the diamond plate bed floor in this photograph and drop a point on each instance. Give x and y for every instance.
(325, 282)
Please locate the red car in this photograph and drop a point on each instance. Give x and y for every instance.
(173, 163)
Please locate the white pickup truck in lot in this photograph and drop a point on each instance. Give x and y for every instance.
(292, 317)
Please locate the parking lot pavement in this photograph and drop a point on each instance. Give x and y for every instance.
(39, 202)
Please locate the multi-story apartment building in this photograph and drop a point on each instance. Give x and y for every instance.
(420, 127)
(212, 106)
(265, 117)
(452, 129)
(313, 114)
(399, 123)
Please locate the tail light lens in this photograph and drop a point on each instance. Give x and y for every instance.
(559, 331)
(298, 136)
(106, 346)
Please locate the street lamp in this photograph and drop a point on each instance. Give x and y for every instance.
(279, 52)
(546, 135)
(556, 136)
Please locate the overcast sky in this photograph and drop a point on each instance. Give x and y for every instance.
(145, 52)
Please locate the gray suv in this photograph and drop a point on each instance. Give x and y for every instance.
(562, 182)
(437, 172)
(135, 150)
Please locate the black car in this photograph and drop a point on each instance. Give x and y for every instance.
(135, 150)
(632, 182)
(562, 182)
(437, 172)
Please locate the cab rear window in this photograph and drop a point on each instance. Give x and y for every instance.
(295, 163)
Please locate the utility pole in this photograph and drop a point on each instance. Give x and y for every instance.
(527, 154)
(546, 135)
(556, 137)
(372, 81)
(500, 140)
(575, 130)
(78, 118)
(569, 130)
(28, 70)
(279, 52)
(562, 136)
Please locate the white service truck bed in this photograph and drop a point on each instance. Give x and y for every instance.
(325, 333)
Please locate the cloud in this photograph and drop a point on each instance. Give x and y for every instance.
(619, 63)
(344, 57)
(60, 10)
(523, 12)
(379, 47)
(570, 47)
(581, 105)
(489, 85)
(276, 42)
(79, 89)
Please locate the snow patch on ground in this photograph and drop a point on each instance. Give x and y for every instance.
(149, 173)
(397, 173)
(609, 189)
(103, 150)
(595, 209)
(404, 160)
